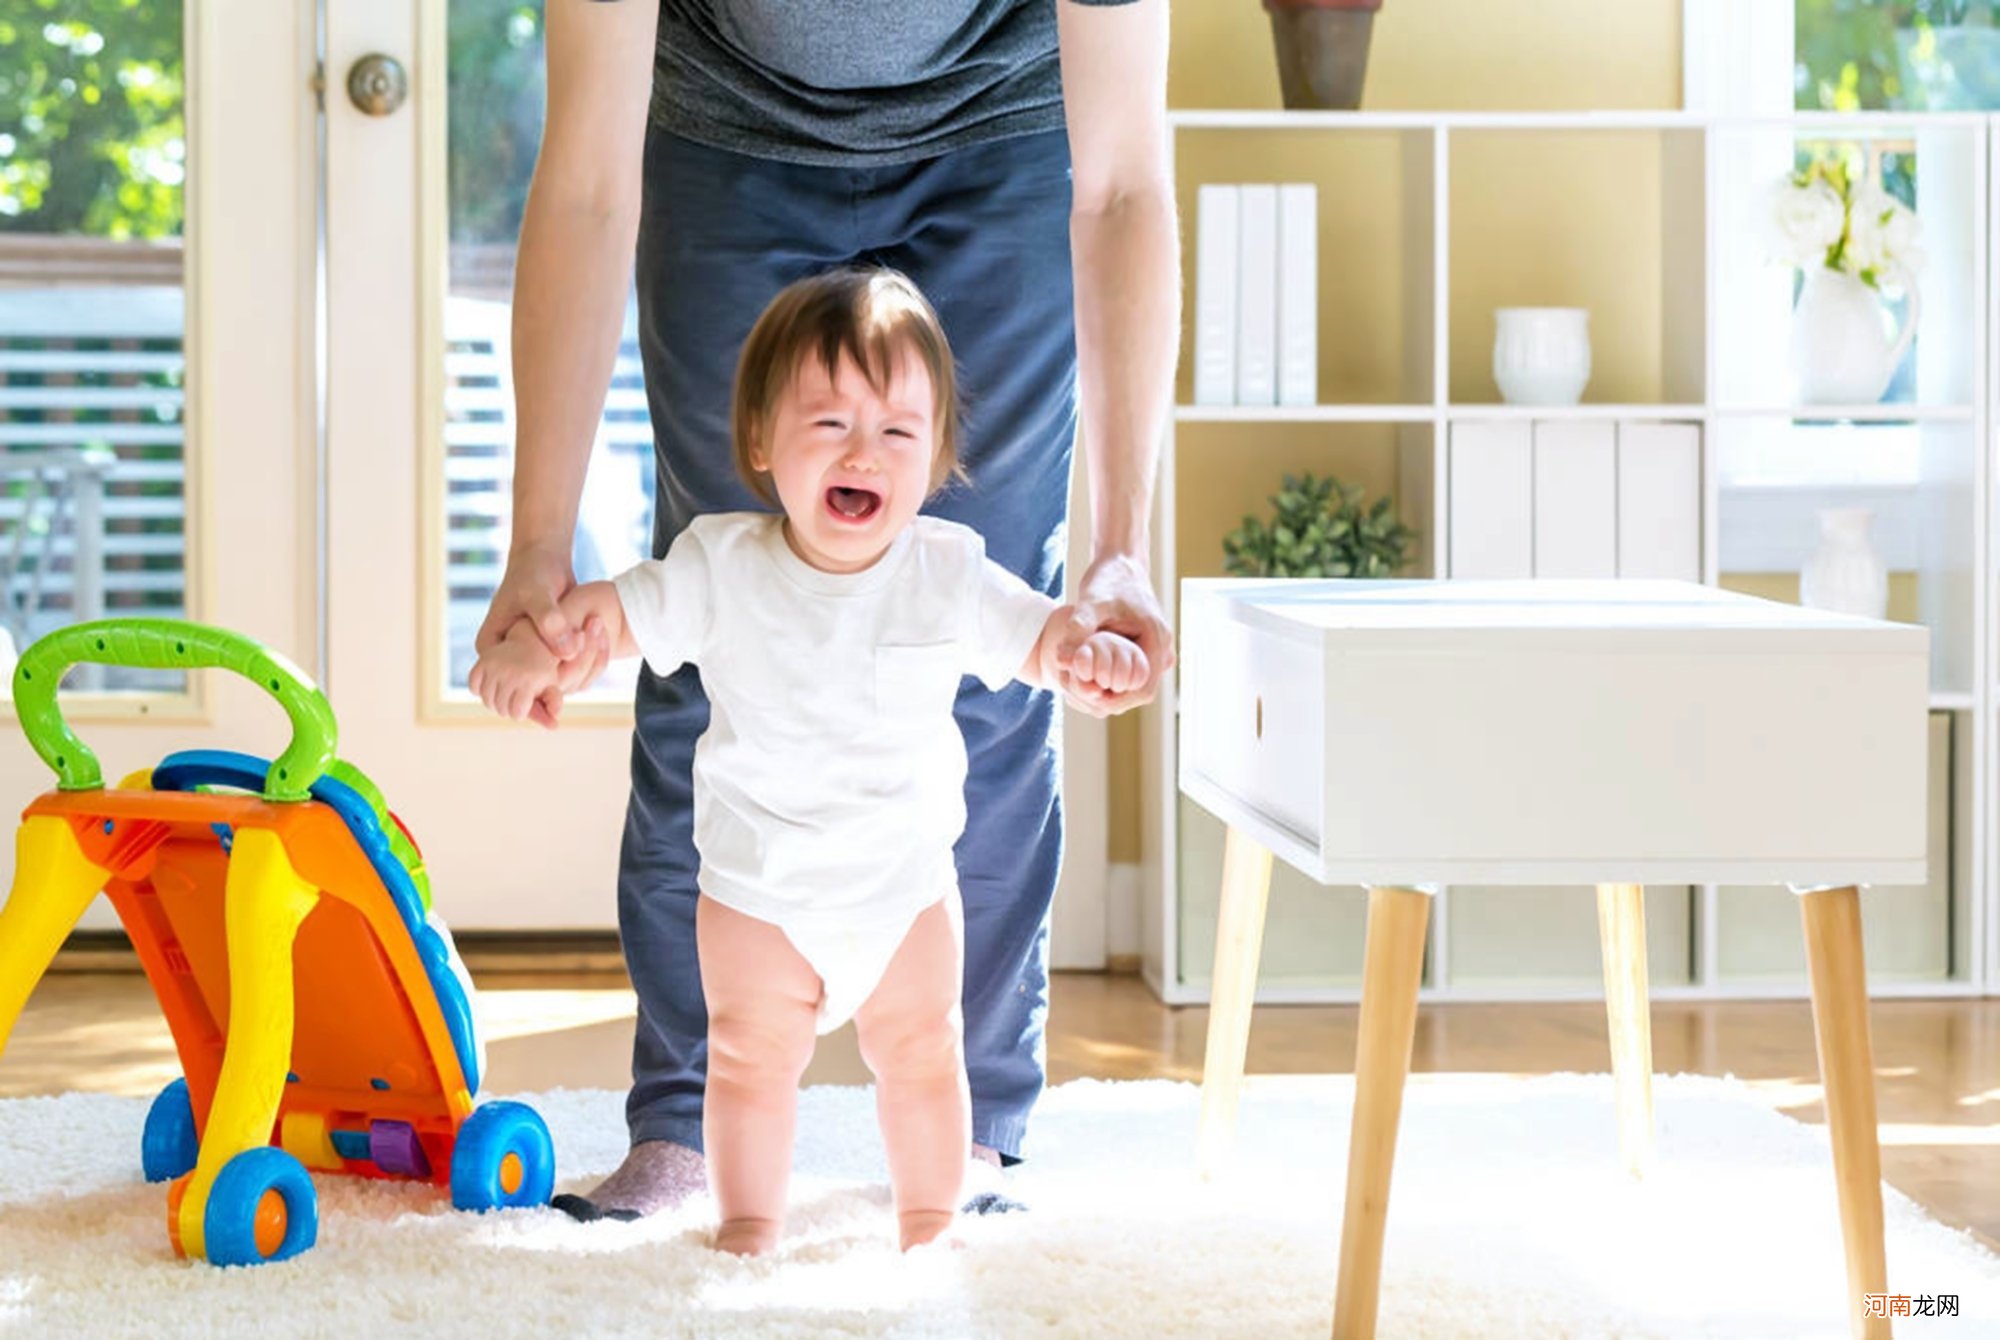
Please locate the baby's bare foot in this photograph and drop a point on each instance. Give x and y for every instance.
(747, 1237)
(921, 1226)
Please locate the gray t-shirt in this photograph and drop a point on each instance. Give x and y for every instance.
(856, 82)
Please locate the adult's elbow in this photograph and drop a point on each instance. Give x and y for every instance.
(586, 199)
(1138, 193)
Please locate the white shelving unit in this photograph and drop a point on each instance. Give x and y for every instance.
(1721, 365)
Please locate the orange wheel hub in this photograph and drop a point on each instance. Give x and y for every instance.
(271, 1222)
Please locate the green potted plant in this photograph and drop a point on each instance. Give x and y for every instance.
(1320, 529)
(1322, 51)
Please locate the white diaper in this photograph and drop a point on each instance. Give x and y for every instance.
(850, 952)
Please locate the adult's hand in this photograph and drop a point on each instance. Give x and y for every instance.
(536, 580)
(1116, 595)
(533, 586)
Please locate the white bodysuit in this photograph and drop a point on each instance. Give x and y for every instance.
(829, 787)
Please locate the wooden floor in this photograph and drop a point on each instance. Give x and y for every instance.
(1938, 1062)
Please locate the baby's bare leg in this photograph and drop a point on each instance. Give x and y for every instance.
(763, 1002)
(912, 1037)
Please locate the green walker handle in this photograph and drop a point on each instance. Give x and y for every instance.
(168, 644)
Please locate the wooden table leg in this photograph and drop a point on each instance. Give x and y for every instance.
(1239, 941)
(1391, 973)
(1621, 925)
(1847, 1069)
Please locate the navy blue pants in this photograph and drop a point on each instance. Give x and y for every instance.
(984, 231)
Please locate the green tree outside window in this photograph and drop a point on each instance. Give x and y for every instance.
(91, 133)
(1897, 55)
(93, 139)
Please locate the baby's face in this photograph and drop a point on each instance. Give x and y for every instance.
(850, 466)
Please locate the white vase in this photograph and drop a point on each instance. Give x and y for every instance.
(1541, 355)
(1845, 574)
(1843, 352)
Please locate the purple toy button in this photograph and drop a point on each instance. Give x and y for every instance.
(394, 1147)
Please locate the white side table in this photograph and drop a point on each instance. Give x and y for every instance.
(1405, 735)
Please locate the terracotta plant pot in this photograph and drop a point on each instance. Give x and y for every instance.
(1322, 51)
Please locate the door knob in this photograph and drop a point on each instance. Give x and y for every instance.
(377, 84)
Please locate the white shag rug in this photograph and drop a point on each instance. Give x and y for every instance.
(1509, 1218)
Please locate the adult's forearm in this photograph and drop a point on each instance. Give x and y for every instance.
(572, 272)
(1127, 259)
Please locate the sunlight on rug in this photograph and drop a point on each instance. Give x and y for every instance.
(1509, 1218)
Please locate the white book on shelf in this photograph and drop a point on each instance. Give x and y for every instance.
(1659, 501)
(1298, 294)
(1257, 297)
(1576, 498)
(1492, 505)
(1215, 280)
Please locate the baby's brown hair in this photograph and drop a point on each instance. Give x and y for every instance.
(865, 312)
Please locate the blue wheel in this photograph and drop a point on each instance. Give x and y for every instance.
(171, 1143)
(504, 1159)
(261, 1209)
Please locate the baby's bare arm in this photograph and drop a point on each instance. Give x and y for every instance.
(1040, 669)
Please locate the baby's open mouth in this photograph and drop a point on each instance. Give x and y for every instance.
(853, 504)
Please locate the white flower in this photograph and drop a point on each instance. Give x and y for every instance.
(1808, 220)
(1881, 237)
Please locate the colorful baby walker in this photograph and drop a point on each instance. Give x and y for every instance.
(282, 914)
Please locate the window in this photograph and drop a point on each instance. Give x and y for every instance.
(1897, 55)
(93, 159)
(1841, 56)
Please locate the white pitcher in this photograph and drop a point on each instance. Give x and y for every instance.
(1842, 352)
(1846, 574)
